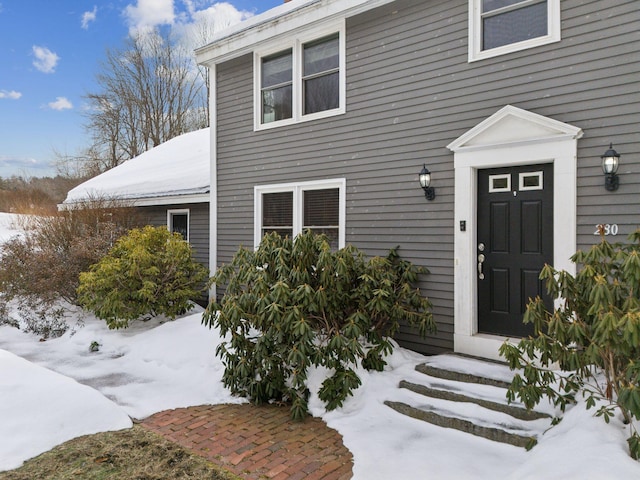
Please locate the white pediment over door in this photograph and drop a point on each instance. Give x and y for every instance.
(511, 125)
(509, 137)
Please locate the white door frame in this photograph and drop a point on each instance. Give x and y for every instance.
(510, 137)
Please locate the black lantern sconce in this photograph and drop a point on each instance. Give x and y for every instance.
(610, 162)
(425, 182)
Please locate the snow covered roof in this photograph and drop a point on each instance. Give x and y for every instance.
(294, 15)
(262, 18)
(178, 168)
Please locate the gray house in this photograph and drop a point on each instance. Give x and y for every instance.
(168, 185)
(326, 112)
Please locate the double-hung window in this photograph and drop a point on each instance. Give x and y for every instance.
(289, 209)
(178, 222)
(497, 27)
(302, 80)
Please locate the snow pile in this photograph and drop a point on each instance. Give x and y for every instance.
(179, 166)
(146, 368)
(41, 409)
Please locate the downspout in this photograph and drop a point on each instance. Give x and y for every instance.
(213, 189)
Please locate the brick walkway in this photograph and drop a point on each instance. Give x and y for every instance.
(257, 442)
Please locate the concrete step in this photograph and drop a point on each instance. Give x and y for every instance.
(512, 410)
(469, 395)
(434, 417)
(446, 374)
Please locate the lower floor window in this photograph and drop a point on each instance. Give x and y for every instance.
(289, 209)
(178, 222)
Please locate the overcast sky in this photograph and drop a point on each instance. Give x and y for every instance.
(50, 52)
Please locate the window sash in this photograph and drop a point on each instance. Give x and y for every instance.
(514, 23)
(277, 86)
(277, 213)
(321, 213)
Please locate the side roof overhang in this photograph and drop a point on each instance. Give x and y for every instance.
(283, 20)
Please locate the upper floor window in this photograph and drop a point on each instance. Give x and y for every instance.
(497, 27)
(303, 81)
(290, 209)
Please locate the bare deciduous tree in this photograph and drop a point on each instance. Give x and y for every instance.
(149, 92)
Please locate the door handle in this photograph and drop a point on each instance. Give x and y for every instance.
(480, 262)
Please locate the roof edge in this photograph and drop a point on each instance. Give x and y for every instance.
(176, 199)
(243, 37)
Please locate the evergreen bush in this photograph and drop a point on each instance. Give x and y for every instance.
(148, 272)
(293, 304)
(593, 336)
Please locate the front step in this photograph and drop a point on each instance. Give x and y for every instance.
(516, 412)
(460, 376)
(479, 410)
(495, 434)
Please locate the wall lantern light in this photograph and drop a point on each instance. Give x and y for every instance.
(425, 182)
(610, 161)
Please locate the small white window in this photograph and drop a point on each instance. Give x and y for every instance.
(290, 209)
(178, 222)
(497, 27)
(500, 183)
(301, 80)
(530, 181)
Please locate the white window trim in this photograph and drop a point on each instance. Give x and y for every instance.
(295, 44)
(506, 176)
(298, 189)
(475, 33)
(179, 211)
(522, 176)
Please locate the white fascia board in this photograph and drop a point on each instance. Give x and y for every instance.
(150, 201)
(172, 200)
(242, 40)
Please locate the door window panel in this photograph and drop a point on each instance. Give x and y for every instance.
(530, 181)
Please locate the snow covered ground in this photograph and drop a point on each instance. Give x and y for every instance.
(8, 226)
(59, 389)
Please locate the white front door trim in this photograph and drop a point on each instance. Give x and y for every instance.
(510, 137)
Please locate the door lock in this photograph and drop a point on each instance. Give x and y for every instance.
(480, 262)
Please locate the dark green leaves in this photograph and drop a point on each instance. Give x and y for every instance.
(293, 304)
(594, 335)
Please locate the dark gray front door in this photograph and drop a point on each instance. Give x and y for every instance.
(515, 240)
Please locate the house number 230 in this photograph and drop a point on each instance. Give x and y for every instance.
(607, 229)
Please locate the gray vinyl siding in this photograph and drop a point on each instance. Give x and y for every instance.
(198, 225)
(410, 92)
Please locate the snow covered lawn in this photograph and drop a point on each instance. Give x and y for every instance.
(152, 367)
(60, 389)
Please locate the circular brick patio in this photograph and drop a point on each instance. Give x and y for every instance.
(257, 442)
